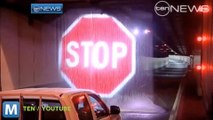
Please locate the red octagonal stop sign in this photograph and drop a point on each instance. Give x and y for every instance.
(97, 52)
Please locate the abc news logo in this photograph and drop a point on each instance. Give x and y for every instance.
(11, 109)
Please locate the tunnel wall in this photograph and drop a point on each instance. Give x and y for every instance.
(28, 52)
(207, 58)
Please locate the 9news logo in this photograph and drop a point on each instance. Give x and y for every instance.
(50, 8)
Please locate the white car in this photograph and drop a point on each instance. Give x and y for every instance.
(56, 104)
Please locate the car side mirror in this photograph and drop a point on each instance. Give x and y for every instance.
(114, 109)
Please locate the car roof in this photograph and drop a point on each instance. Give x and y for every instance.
(58, 92)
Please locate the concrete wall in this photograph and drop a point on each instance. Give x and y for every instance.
(196, 60)
(150, 63)
(28, 52)
(180, 58)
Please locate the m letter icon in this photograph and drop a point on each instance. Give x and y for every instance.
(11, 109)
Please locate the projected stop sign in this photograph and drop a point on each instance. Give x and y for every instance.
(97, 52)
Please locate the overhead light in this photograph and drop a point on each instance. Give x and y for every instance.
(204, 38)
(146, 31)
(200, 67)
(135, 31)
(201, 38)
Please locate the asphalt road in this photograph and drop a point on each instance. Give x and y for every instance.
(144, 116)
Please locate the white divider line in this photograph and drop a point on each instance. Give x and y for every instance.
(175, 108)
